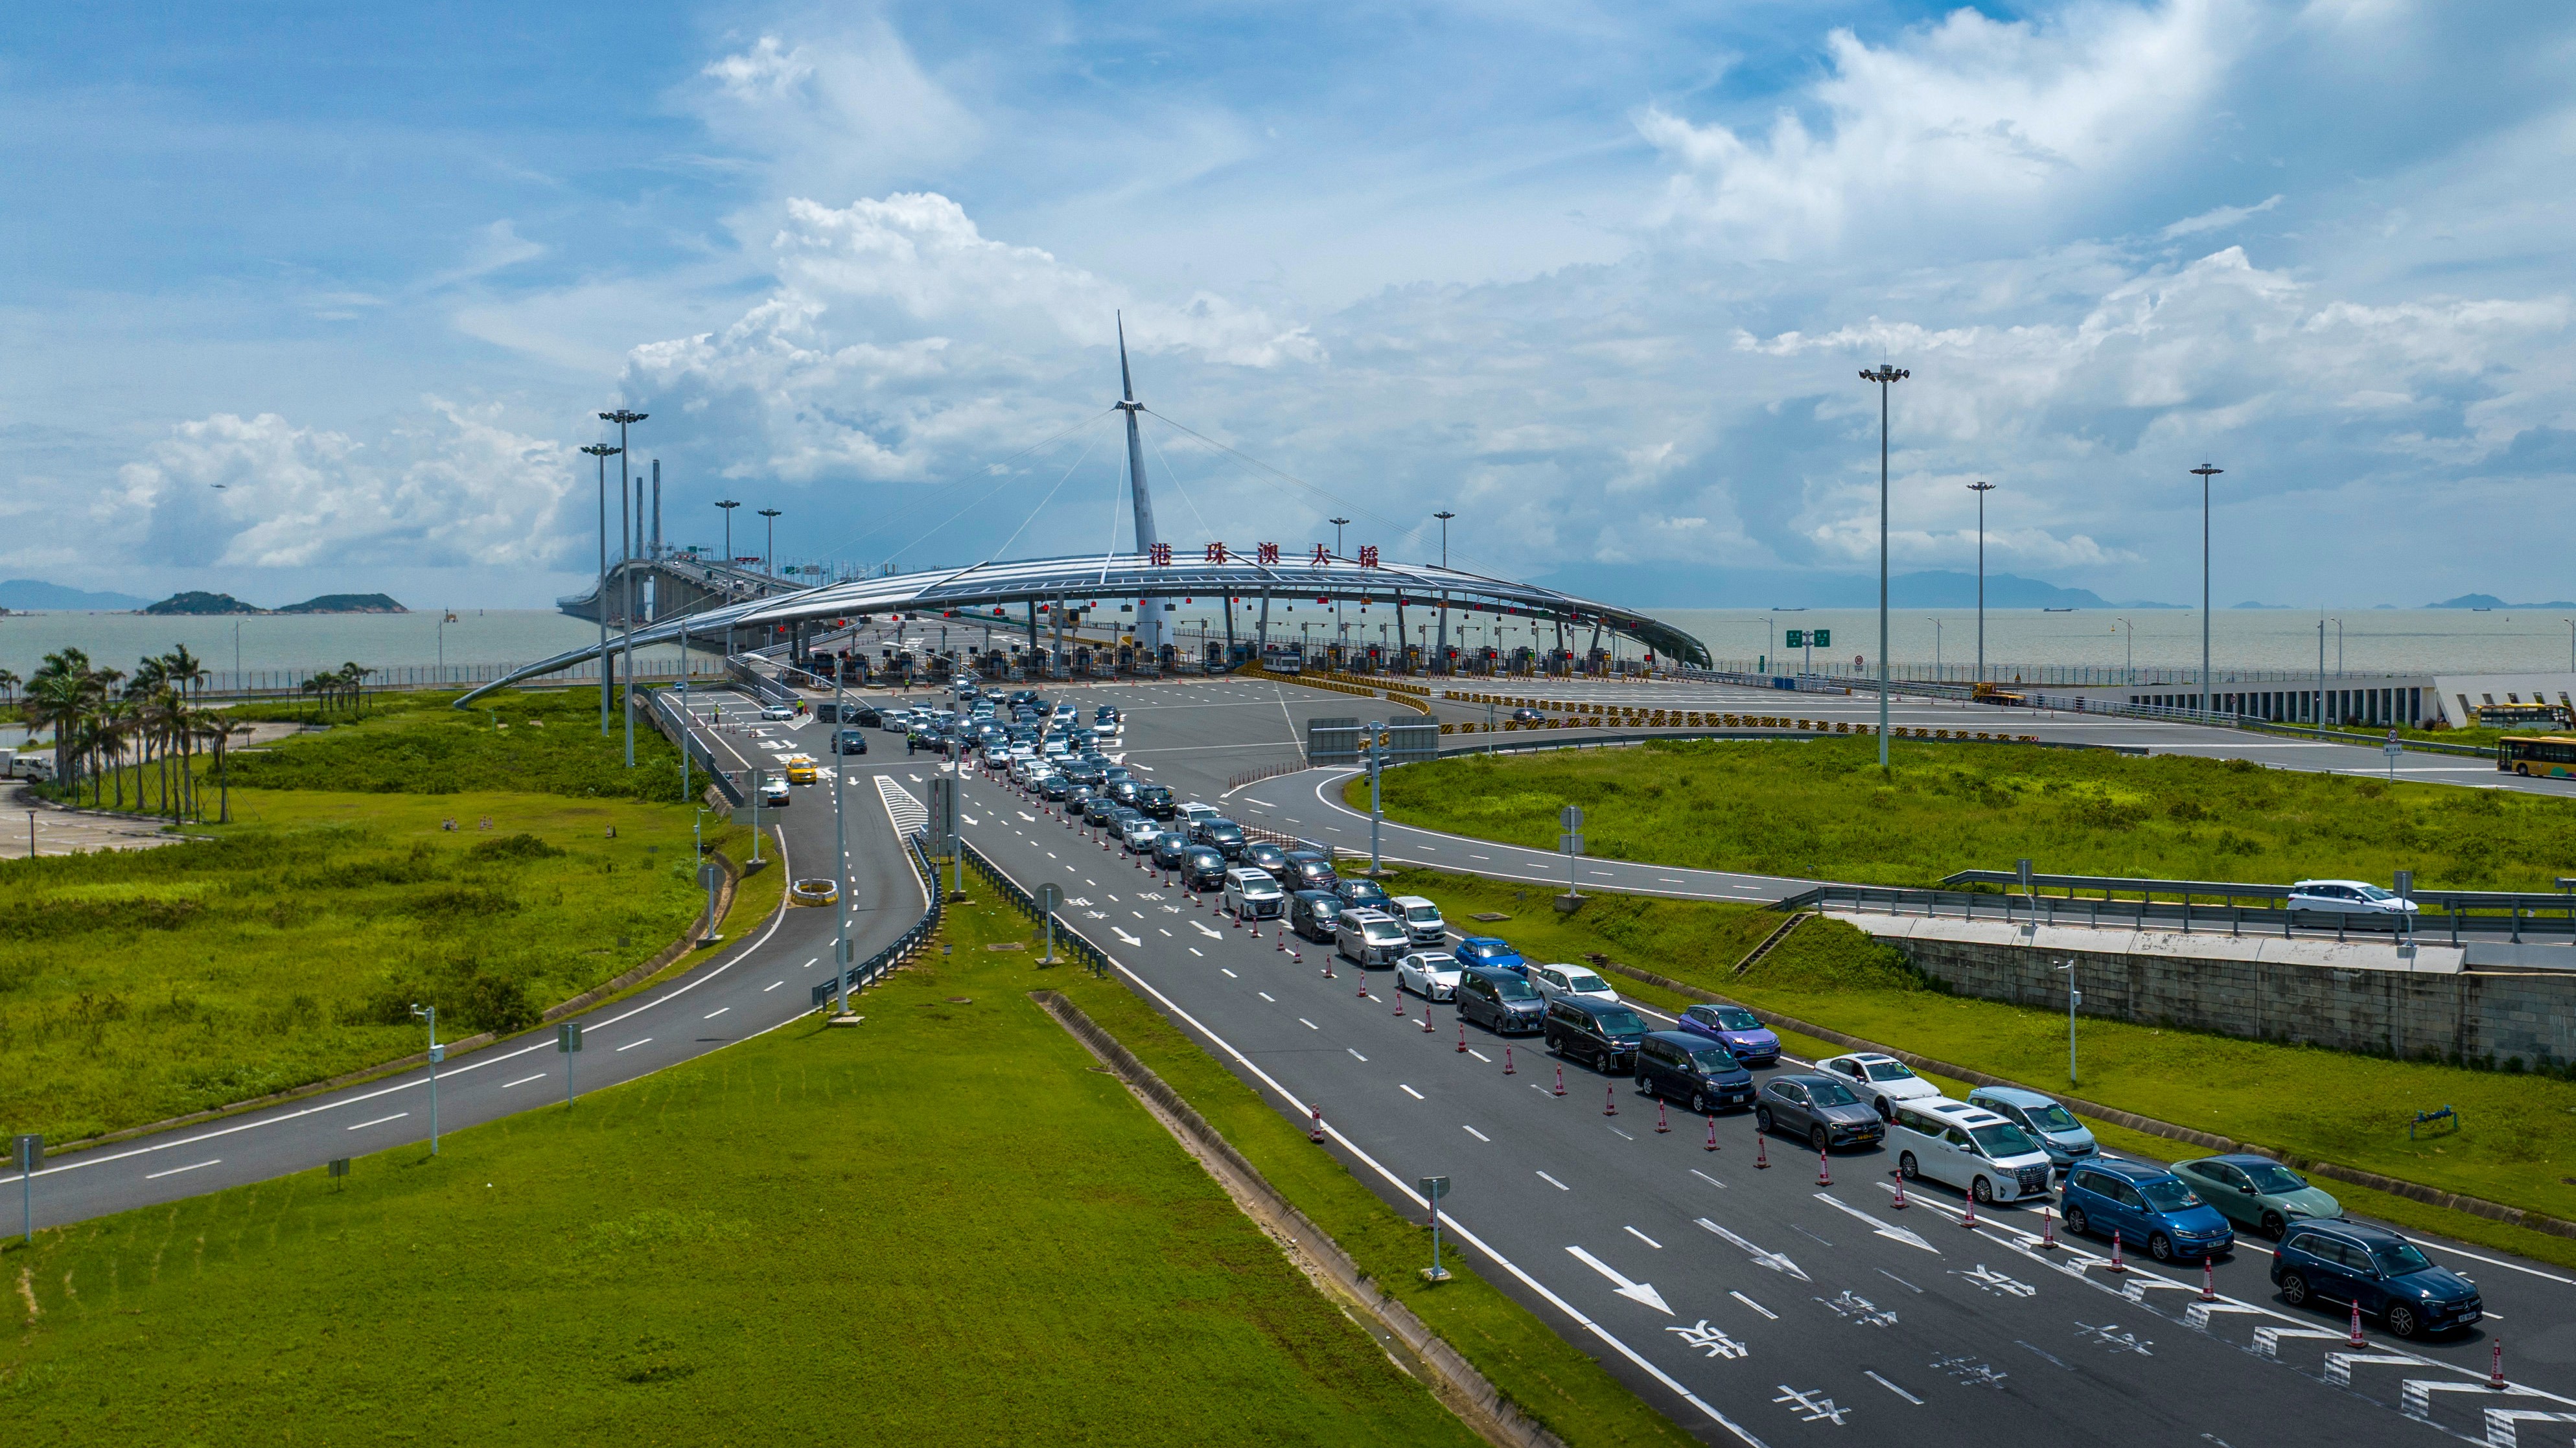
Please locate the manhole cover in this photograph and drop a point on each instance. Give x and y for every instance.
(960, 1001)
(1488, 917)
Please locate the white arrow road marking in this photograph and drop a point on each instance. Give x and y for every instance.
(1888, 1230)
(1777, 1262)
(1633, 1291)
(1123, 935)
(1210, 934)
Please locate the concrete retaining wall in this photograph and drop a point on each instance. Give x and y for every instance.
(2351, 997)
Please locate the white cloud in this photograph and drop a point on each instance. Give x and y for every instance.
(2217, 218)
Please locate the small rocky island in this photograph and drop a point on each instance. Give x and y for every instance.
(197, 603)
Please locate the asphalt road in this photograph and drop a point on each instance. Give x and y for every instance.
(1760, 1305)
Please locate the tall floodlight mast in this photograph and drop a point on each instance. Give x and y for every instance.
(1149, 619)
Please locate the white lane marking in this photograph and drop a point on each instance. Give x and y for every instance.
(1888, 1230)
(1471, 1131)
(1355, 1055)
(524, 1080)
(1409, 1091)
(1230, 975)
(1265, 995)
(1893, 1388)
(381, 1120)
(1642, 1237)
(711, 1015)
(1639, 1292)
(631, 1045)
(1194, 950)
(1309, 1025)
(1551, 1181)
(1756, 1306)
(1479, 1055)
(773, 985)
(174, 1171)
(1704, 1176)
(809, 965)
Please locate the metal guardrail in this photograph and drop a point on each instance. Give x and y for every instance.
(2535, 903)
(1092, 957)
(855, 978)
(674, 723)
(2451, 925)
(738, 667)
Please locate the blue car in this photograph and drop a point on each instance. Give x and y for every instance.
(1491, 951)
(2145, 1206)
(2055, 1128)
(1744, 1037)
(2351, 1262)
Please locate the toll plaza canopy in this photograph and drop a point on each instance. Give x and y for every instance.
(997, 592)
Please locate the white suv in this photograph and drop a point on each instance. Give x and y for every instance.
(1250, 894)
(1369, 937)
(1422, 918)
(1967, 1147)
(1882, 1081)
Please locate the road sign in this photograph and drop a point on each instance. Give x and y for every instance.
(1050, 897)
(26, 1153)
(1822, 638)
(942, 826)
(1797, 638)
(1570, 842)
(1571, 817)
(339, 1166)
(1434, 1188)
(568, 1037)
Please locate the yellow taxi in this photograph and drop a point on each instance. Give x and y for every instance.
(800, 769)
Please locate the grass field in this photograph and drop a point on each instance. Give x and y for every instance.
(2516, 1144)
(745, 1247)
(413, 743)
(1822, 809)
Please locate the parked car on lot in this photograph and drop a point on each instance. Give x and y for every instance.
(1309, 870)
(2051, 1125)
(1201, 868)
(1431, 974)
(1252, 895)
(1968, 1147)
(1553, 981)
(2347, 897)
(1315, 914)
(2257, 1192)
(1369, 937)
(1693, 1070)
(2390, 1277)
(1737, 1029)
(2147, 1205)
(1499, 1000)
(1421, 917)
(1882, 1081)
(1603, 1033)
(1490, 950)
(1821, 1109)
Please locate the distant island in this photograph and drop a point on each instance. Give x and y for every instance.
(202, 604)
(30, 594)
(2489, 600)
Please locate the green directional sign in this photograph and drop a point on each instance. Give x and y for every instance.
(1822, 638)
(1797, 638)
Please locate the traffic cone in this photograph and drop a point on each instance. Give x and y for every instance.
(1316, 1133)
(1560, 1080)
(1426, 1018)
(2495, 1375)
(1712, 1132)
(2116, 1264)
(1462, 1038)
(1968, 1218)
(1899, 1203)
(2208, 1279)
(1507, 1061)
(2357, 1340)
(1662, 1127)
(1824, 1169)
(2047, 1230)
(1609, 1100)
(1761, 1152)
(1398, 994)
(1363, 985)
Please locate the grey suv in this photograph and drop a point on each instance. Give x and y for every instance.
(1819, 1108)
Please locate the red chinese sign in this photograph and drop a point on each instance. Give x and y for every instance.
(1368, 555)
(1161, 554)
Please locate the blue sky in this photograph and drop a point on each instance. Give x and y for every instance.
(1597, 279)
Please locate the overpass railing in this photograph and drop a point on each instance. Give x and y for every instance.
(674, 722)
(740, 668)
(2455, 916)
(858, 977)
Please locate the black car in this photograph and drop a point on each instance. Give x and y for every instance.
(1361, 894)
(1055, 787)
(849, 741)
(1105, 715)
(1077, 799)
(1125, 791)
(1308, 870)
(1499, 1000)
(1221, 835)
(862, 715)
(1096, 811)
(1605, 1033)
(1267, 856)
(1823, 1110)
(1315, 914)
(1167, 850)
(2348, 1262)
(1202, 868)
(1694, 1070)
(1156, 800)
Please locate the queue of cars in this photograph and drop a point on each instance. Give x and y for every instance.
(1999, 1146)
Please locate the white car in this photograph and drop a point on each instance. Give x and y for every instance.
(1193, 812)
(1970, 1148)
(1250, 894)
(778, 711)
(1139, 835)
(773, 791)
(2347, 897)
(1422, 918)
(895, 721)
(1882, 1081)
(1431, 974)
(1552, 981)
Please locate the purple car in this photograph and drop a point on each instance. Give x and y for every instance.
(1734, 1027)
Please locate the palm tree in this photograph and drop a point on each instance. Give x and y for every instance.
(9, 683)
(184, 669)
(223, 729)
(356, 677)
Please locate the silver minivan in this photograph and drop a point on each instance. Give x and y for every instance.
(1421, 919)
(1967, 1147)
(1250, 894)
(1370, 937)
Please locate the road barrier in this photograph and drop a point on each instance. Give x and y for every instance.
(855, 978)
(1091, 956)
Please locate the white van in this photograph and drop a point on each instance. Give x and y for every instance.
(1967, 1147)
(1250, 894)
(1551, 981)
(1193, 812)
(1370, 937)
(1422, 918)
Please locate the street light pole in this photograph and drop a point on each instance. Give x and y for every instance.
(1883, 376)
(1444, 515)
(1341, 630)
(437, 1053)
(2074, 998)
(2204, 472)
(769, 555)
(603, 452)
(1981, 488)
(1376, 815)
(625, 418)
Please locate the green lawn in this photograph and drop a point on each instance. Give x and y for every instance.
(413, 743)
(1823, 809)
(943, 1226)
(2516, 1145)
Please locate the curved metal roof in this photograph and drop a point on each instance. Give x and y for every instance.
(1136, 575)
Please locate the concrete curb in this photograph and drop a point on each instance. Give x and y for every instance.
(2412, 1191)
(1495, 1417)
